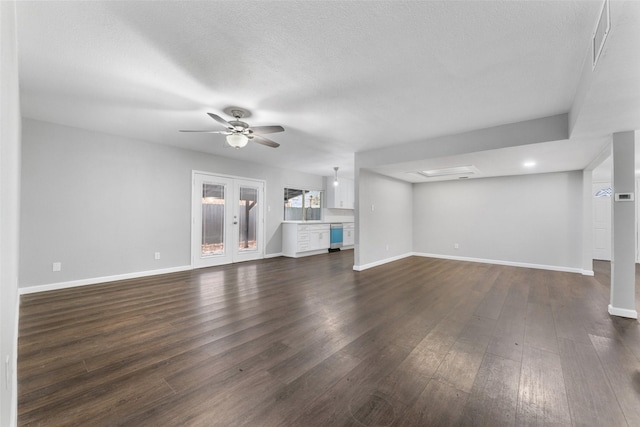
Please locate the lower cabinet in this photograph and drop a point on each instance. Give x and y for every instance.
(305, 239)
(310, 239)
(348, 234)
(319, 237)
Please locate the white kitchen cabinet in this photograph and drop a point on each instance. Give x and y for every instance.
(340, 196)
(303, 242)
(305, 239)
(319, 237)
(348, 234)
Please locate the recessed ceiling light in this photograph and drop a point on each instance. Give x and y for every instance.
(529, 164)
(458, 170)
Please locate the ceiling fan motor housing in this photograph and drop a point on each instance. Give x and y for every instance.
(238, 125)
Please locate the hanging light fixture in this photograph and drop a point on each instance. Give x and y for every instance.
(335, 180)
(237, 140)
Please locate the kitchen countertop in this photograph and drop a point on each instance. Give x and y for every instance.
(317, 222)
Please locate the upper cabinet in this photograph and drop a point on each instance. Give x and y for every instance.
(340, 196)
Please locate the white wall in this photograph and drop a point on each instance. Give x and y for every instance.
(102, 205)
(9, 211)
(529, 219)
(383, 233)
(338, 215)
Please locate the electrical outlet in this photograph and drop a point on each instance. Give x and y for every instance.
(456, 246)
(157, 255)
(57, 266)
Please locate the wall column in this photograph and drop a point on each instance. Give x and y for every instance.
(587, 223)
(10, 163)
(623, 274)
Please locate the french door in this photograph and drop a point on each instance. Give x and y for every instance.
(228, 219)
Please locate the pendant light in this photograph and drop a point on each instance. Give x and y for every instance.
(335, 179)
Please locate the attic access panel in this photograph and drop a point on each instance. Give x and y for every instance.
(601, 32)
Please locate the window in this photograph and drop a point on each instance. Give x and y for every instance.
(302, 205)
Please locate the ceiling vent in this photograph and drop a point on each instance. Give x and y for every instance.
(601, 32)
(458, 170)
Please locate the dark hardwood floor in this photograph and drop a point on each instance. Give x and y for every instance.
(310, 342)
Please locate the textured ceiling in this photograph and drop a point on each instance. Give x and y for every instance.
(341, 77)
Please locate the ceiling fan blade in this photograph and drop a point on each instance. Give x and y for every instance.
(266, 129)
(220, 120)
(264, 141)
(207, 131)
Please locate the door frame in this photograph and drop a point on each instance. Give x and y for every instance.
(195, 238)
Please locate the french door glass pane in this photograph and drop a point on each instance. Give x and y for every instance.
(248, 213)
(212, 219)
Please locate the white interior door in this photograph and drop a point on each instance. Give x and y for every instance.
(601, 193)
(228, 218)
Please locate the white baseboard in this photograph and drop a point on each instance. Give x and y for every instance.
(307, 253)
(507, 263)
(96, 280)
(588, 273)
(381, 262)
(14, 367)
(623, 312)
(273, 255)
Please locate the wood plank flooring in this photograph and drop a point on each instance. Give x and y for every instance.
(310, 342)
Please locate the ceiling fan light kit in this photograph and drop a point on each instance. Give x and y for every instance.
(239, 133)
(237, 140)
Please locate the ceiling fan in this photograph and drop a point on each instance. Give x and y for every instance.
(240, 133)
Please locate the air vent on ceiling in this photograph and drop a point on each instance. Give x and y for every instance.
(458, 170)
(601, 32)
